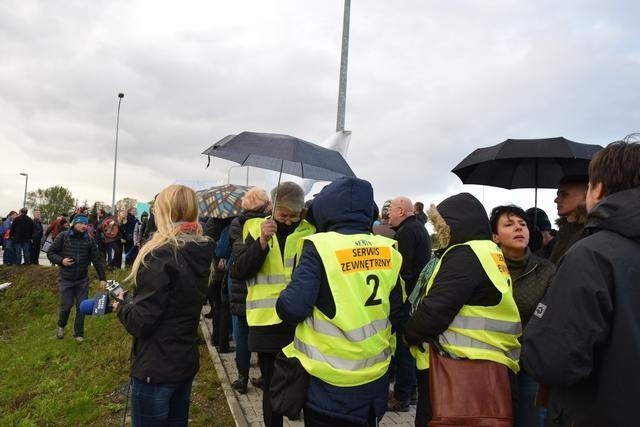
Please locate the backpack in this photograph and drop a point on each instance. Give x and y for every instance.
(110, 227)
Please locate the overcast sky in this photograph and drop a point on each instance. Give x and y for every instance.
(428, 82)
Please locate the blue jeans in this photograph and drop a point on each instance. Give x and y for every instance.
(160, 404)
(73, 292)
(241, 337)
(21, 249)
(527, 414)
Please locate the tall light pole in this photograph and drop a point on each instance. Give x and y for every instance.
(237, 166)
(26, 181)
(342, 90)
(115, 158)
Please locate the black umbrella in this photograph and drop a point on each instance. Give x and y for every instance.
(526, 163)
(281, 153)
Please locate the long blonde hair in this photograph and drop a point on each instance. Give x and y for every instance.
(174, 206)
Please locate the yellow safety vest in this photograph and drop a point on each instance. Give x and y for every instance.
(355, 346)
(477, 332)
(274, 275)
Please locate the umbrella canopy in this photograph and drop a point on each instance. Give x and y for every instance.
(283, 153)
(223, 201)
(526, 163)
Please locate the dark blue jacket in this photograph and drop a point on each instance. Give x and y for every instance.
(344, 206)
(82, 247)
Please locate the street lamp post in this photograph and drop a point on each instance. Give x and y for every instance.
(26, 181)
(115, 158)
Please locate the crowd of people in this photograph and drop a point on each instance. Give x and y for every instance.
(357, 300)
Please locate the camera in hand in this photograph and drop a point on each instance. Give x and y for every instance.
(101, 305)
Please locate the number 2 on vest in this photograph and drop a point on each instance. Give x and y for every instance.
(372, 298)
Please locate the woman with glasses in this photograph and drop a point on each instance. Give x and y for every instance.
(265, 260)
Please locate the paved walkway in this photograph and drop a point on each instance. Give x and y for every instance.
(247, 408)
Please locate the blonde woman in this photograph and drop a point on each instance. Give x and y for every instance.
(171, 275)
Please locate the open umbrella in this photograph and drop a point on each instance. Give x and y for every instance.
(526, 163)
(222, 201)
(281, 153)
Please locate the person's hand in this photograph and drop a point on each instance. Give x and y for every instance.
(103, 284)
(115, 305)
(68, 261)
(267, 229)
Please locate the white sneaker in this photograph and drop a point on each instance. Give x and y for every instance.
(60, 332)
(79, 338)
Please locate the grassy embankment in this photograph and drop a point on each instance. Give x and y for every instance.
(49, 382)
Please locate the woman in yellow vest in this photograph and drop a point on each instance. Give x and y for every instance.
(266, 262)
(468, 307)
(347, 297)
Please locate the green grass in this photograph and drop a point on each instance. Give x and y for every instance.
(49, 382)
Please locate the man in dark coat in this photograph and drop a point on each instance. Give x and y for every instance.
(21, 234)
(583, 339)
(414, 244)
(73, 251)
(571, 210)
(38, 232)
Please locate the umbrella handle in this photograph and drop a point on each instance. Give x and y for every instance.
(275, 199)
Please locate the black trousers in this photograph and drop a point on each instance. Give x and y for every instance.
(267, 362)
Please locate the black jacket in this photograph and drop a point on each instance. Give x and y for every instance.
(80, 246)
(461, 279)
(414, 244)
(164, 315)
(21, 229)
(238, 302)
(38, 230)
(584, 338)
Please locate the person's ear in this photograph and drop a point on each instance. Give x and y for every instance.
(598, 191)
(495, 238)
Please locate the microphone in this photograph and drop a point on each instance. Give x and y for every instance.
(98, 306)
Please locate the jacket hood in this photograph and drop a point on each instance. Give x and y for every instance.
(466, 218)
(345, 205)
(619, 212)
(198, 253)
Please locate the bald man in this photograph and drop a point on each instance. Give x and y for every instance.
(414, 245)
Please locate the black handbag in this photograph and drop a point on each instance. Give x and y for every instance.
(288, 386)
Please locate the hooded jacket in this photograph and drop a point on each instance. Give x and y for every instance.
(584, 338)
(346, 207)
(164, 315)
(461, 279)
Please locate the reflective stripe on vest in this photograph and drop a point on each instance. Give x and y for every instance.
(355, 346)
(488, 333)
(274, 274)
(354, 335)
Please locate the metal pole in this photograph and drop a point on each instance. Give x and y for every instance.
(247, 182)
(342, 90)
(115, 158)
(26, 181)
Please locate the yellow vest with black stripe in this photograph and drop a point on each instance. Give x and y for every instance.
(274, 275)
(477, 332)
(355, 346)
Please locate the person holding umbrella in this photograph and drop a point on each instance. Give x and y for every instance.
(570, 201)
(266, 260)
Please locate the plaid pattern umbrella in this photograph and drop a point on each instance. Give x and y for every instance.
(222, 201)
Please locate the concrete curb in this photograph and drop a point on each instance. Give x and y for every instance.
(236, 410)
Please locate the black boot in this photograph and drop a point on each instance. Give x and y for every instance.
(241, 383)
(257, 382)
